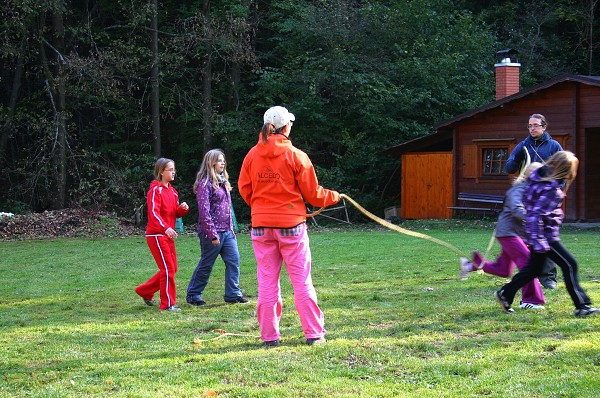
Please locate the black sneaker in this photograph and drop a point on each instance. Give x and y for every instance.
(240, 300)
(317, 341)
(586, 310)
(149, 302)
(548, 283)
(197, 303)
(271, 344)
(499, 295)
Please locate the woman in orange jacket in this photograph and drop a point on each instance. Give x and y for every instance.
(275, 181)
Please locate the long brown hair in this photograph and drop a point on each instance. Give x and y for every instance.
(563, 167)
(207, 169)
(267, 130)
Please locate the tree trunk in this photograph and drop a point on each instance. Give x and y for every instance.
(234, 94)
(154, 81)
(207, 103)
(7, 127)
(593, 4)
(207, 85)
(60, 153)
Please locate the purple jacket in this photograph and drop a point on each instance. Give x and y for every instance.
(214, 209)
(542, 201)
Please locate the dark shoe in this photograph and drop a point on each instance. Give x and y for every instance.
(499, 295)
(549, 283)
(149, 302)
(586, 311)
(197, 303)
(271, 344)
(240, 300)
(173, 308)
(317, 341)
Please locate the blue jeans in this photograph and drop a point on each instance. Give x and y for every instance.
(228, 250)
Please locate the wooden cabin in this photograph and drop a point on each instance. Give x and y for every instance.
(467, 153)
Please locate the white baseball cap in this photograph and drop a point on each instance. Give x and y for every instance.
(278, 116)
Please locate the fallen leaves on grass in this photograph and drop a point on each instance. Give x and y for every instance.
(67, 223)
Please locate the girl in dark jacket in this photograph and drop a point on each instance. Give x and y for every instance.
(515, 253)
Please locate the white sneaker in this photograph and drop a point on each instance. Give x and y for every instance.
(465, 268)
(529, 306)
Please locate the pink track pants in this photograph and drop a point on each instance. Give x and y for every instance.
(272, 246)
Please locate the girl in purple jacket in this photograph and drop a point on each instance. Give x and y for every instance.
(543, 196)
(515, 253)
(215, 230)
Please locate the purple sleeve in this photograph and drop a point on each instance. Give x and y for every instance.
(539, 217)
(205, 221)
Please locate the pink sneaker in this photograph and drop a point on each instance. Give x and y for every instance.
(465, 268)
(477, 258)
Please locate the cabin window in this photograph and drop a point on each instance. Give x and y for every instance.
(485, 159)
(493, 160)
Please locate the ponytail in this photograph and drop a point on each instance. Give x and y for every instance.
(267, 130)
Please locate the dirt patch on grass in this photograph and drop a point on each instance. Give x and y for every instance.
(67, 223)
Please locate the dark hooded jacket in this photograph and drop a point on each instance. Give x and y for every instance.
(539, 151)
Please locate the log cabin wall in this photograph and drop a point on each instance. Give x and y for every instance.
(571, 103)
(588, 145)
(573, 113)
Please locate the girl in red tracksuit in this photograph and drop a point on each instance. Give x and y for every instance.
(163, 209)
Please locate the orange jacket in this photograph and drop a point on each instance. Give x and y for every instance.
(275, 180)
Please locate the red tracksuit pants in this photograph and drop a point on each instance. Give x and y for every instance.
(163, 251)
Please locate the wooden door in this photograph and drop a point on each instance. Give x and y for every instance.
(426, 186)
(591, 174)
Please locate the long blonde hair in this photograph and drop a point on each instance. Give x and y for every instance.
(207, 169)
(526, 173)
(563, 167)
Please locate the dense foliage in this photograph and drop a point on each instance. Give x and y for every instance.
(79, 98)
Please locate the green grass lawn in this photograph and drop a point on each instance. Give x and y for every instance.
(400, 324)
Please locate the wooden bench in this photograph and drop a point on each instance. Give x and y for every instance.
(493, 202)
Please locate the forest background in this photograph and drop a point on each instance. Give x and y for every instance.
(92, 92)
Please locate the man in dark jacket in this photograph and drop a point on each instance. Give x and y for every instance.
(540, 146)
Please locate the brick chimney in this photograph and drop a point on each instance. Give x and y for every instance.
(507, 74)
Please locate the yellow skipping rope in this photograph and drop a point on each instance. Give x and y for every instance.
(395, 227)
(223, 333)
